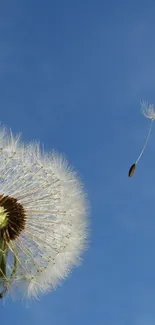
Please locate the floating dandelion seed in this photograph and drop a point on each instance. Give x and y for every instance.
(43, 218)
(148, 112)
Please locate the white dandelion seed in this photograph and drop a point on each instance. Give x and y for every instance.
(149, 112)
(43, 218)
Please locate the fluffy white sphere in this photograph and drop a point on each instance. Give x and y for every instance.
(54, 233)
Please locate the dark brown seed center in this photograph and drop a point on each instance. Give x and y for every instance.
(15, 218)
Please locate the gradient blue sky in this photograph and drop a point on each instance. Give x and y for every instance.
(72, 74)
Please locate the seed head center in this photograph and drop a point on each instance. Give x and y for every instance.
(3, 217)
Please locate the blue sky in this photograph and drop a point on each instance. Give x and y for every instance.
(72, 74)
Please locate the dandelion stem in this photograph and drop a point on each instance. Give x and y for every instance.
(2, 258)
(3, 267)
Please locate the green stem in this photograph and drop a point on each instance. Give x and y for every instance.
(3, 260)
(11, 278)
(3, 255)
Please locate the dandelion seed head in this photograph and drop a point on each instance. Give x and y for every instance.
(43, 217)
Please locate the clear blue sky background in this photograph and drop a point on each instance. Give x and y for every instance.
(72, 74)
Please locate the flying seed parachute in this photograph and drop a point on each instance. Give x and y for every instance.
(149, 112)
